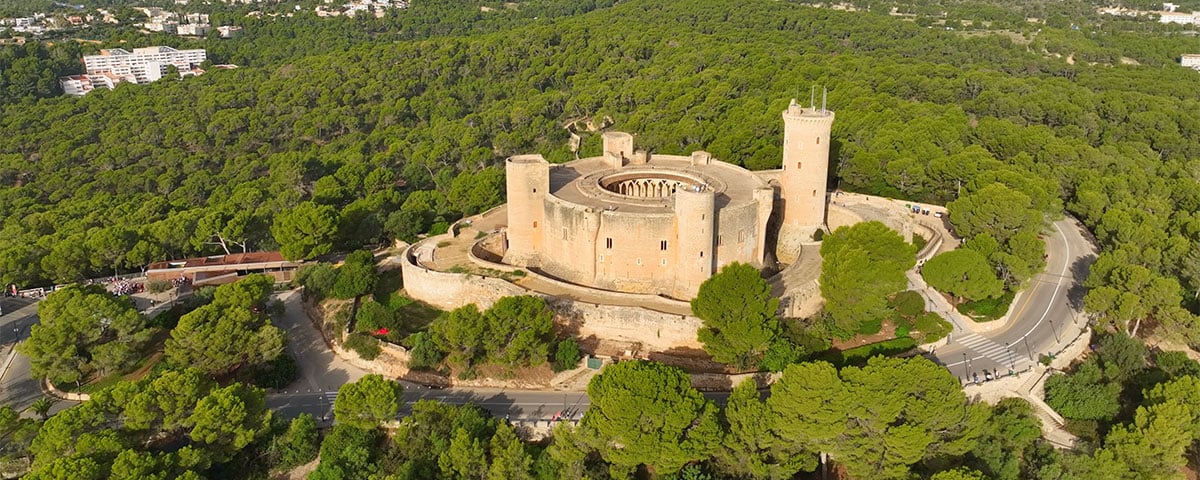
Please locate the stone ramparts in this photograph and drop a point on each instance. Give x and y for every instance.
(656, 331)
(448, 291)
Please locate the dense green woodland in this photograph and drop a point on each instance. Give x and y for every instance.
(401, 126)
(340, 151)
(888, 419)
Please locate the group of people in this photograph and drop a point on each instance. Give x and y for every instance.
(124, 287)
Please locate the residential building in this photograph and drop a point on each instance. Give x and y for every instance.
(1179, 17)
(1190, 61)
(82, 84)
(140, 66)
(192, 29)
(229, 31)
(144, 64)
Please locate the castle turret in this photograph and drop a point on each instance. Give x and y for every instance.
(695, 213)
(618, 147)
(803, 180)
(527, 178)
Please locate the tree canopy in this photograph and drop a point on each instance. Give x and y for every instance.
(84, 330)
(963, 273)
(368, 402)
(646, 413)
(861, 265)
(739, 315)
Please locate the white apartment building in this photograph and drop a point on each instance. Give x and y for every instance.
(1190, 61)
(1192, 18)
(82, 84)
(193, 29)
(143, 64)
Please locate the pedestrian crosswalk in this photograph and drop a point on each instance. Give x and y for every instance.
(983, 347)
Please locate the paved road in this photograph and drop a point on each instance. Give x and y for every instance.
(515, 404)
(1045, 317)
(17, 388)
(320, 369)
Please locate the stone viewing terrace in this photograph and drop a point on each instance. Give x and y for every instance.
(482, 235)
(648, 187)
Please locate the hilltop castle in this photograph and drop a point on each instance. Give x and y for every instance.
(630, 221)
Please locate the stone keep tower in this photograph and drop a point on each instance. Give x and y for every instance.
(803, 179)
(694, 258)
(527, 178)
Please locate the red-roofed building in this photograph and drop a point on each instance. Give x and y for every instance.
(222, 269)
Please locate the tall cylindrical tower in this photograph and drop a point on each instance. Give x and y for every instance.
(527, 179)
(803, 180)
(695, 212)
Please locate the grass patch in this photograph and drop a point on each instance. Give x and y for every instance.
(388, 281)
(932, 327)
(987, 309)
(416, 316)
(870, 327)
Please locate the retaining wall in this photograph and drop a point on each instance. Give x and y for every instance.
(656, 331)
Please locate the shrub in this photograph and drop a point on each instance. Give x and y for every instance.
(919, 242)
(373, 316)
(870, 327)
(158, 286)
(902, 331)
(781, 354)
(908, 303)
(987, 309)
(932, 327)
(860, 355)
(439, 228)
(366, 346)
(567, 355)
(277, 373)
(424, 353)
(317, 279)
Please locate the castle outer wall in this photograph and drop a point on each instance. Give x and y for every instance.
(658, 224)
(629, 221)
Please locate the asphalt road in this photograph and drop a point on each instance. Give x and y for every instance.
(17, 388)
(1045, 316)
(514, 404)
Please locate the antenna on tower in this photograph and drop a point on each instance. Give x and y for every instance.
(824, 95)
(812, 97)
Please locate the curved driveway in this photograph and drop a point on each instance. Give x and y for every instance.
(1045, 318)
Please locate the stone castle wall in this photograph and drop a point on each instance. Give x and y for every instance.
(656, 331)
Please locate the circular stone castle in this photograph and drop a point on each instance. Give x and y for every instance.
(629, 221)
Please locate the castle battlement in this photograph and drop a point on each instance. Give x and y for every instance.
(634, 222)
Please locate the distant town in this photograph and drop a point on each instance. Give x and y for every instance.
(160, 20)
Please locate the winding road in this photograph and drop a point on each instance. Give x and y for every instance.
(1044, 318)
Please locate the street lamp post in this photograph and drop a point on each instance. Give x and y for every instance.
(1027, 349)
(1055, 330)
(966, 367)
(1012, 364)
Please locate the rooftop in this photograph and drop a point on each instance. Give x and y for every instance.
(592, 182)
